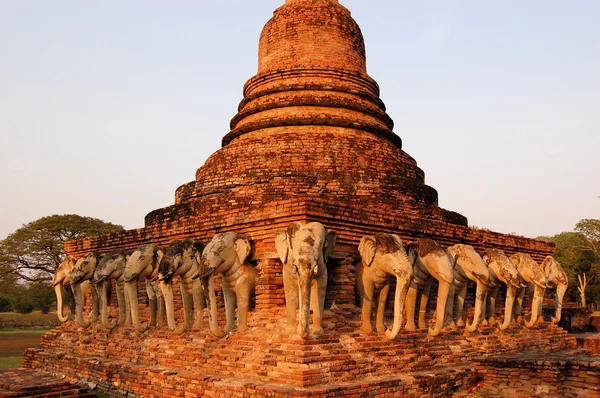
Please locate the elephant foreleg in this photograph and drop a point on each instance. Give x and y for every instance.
(186, 297)
(459, 303)
(449, 315)
(383, 296)
(96, 302)
(519, 305)
(366, 306)
(423, 305)
(121, 303)
(490, 311)
(152, 303)
(317, 298)
(230, 303)
(411, 302)
(290, 288)
(161, 308)
(199, 303)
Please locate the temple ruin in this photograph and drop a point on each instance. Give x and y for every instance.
(311, 141)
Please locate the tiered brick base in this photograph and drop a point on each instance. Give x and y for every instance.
(34, 384)
(563, 374)
(266, 362)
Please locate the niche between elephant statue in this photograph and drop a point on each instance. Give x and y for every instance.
(110, 268)
(430, 261)
(468, 265)
(181, 261)
(382, 256)
(226, 254)
(144, 263)
(304, 249)
(82, 272)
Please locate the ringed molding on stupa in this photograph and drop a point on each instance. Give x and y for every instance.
(311, 141)
(311, 125)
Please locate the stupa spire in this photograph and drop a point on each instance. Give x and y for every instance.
(312, 71)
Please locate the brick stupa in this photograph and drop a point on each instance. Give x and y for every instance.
(311, 142)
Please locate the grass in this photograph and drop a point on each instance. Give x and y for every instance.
(13, 346)
(35, 320)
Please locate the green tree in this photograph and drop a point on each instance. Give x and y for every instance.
(33, 252)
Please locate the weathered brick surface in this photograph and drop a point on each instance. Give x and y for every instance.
(122, 360)
(563, 374)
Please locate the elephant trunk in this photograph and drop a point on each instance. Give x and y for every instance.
(167, 291)
(304, 304)
(131, 288)
(59, 303)
(443, 290)
(213, 313)
(536, 305)
(561, 289)
(480, 294)
(511, 293)
(399, 299)
(104, 316)
(79, 306)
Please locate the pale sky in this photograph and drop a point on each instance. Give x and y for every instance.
(106, 107)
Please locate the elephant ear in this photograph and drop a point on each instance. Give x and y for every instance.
(242, 248)
(367, 248)
(546, 266)
(282, 246)
(328, 245)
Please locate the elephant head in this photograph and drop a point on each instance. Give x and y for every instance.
(111, 267)
(502, 269)
(62, 278)
(180, 260)
(383, 255)
(142, 263)
(470, 265)
(304, 249)
(532, 273)
(555, 274)
(226, 254)
(84, 271)
(430, 261)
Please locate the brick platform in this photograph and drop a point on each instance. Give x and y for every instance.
(263, 360)
(562, 374)
(35, 384)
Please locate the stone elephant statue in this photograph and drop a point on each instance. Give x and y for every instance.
(502, 270)
(468, 265)
(304, 249)
(556, 275)
(226, 254)
(181, 261)
(382, 256)
(144, 263)
(83, 271)
(532, 273)
(430, 261)
(62, 279)
(110, 268)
